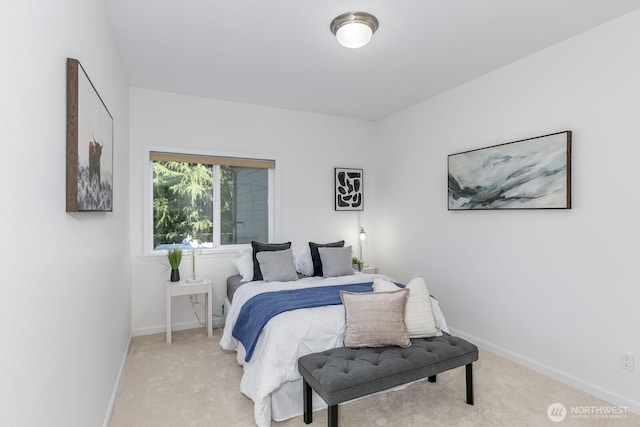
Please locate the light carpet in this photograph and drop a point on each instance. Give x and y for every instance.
(193, 382)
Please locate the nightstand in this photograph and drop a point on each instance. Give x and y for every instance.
(175, 289)
(369, 269)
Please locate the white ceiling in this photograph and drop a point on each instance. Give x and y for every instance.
(281, 52)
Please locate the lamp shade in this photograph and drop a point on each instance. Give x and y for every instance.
(363, 236)
(354, 29)
(354, 35)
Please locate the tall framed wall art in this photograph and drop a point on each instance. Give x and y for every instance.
(89, 145)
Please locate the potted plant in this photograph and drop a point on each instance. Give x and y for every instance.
(356, 264)
(175, 256)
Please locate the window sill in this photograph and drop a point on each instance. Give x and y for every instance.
(206, 253)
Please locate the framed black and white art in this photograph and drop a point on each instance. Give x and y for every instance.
(348, 189)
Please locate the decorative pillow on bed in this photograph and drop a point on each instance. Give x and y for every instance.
(304, 263)
(336, 261)
(244, 265)
(277, 266)
(260, 247)
(315, 256)
(418, 313)
(375, 319)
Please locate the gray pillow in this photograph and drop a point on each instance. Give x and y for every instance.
(315, 256)
(375, 319)
(277, 266)
(336, 261)
(260, 247)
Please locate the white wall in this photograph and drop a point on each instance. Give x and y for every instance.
(65, 304)
(307, 147)
(556, 290)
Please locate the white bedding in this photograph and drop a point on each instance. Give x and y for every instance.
(273, 368)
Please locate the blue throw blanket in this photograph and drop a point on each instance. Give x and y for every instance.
(256, 312)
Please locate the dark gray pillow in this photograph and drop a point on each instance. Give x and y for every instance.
(259, 247)
(277, 266)
(315, 256)
(336, 261)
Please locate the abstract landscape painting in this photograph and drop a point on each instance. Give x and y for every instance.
(532, 173)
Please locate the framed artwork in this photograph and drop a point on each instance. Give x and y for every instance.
(348, 189)
(89, 145)
(532, 173)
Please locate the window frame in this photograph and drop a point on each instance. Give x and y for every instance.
(147, 242)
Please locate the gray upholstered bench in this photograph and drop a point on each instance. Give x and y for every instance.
(343, 374)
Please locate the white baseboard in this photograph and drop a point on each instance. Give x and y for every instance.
(217, 322)
(116, 387)
(580, 384)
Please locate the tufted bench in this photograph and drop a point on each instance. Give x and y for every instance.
(343, 374)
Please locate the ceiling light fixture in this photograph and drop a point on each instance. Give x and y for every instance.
(354, 29)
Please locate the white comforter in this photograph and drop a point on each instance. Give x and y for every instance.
(288, 336)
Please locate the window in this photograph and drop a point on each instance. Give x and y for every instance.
(210, 201)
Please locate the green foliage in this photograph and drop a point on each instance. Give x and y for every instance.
(227, 219)
(182, 201)
(175, 256)
(356, 261)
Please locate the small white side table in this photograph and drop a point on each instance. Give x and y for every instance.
(369, 269)
(175, 289)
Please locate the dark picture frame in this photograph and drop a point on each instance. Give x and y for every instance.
(349, 189)
(89, 145)
(533, 173)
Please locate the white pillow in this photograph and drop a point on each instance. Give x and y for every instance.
(244, 265)
(304, 263)
(418, 314)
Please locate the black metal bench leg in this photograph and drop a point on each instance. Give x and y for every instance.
(469, 384)
(432, 379)
(306, 402)
(332, 416)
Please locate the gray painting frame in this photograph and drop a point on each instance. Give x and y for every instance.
(533, 173)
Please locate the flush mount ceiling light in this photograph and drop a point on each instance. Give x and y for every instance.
(354, 29)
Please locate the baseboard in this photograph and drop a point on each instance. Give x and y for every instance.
(563, 377)
(116, 387)
(218, 322)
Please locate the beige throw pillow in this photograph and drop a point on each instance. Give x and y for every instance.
(375, 319)
(418, 313)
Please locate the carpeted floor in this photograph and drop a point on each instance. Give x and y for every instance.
(193, 382)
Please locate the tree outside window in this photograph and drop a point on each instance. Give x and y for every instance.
(185, 209)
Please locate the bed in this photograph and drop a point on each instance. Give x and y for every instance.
(270, 378)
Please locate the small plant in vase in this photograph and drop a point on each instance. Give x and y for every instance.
(356, 264)
(175, 256)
